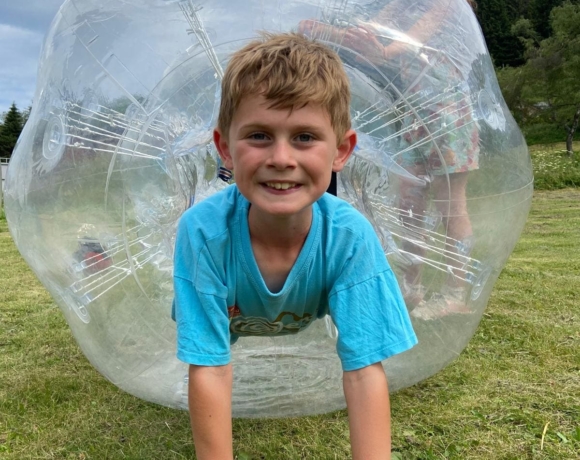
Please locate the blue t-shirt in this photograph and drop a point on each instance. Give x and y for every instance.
(341, 270)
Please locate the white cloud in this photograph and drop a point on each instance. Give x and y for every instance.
(29, 14)
(22, 28)
(19, 51)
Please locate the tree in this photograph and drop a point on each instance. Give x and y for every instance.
(495, 17)
(539, 14)
(10, 130)
(26, 114)
(547, 87)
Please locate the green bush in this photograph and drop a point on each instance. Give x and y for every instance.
(545, 133)
(553, 168)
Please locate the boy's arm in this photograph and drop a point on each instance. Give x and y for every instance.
(210, 411)
(369, 412)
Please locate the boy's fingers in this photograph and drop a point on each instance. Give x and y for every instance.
(358, 39)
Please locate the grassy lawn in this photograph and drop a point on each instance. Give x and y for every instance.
(514, 393)
(553, 168)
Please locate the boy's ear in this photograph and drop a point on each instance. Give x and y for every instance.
(223, 148)
(344, 150)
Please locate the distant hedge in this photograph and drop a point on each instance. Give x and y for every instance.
(544, 133)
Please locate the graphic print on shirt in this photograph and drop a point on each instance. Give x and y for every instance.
(255, 325)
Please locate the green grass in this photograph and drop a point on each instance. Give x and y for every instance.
(518, 378)
(553, 168)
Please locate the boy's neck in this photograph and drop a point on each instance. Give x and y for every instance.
(279, 231)
(276, 244)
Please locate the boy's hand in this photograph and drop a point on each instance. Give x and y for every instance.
(210, 411)
(369, 412)
(356, 38)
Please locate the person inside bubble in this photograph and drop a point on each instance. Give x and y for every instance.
(273, 252)
(438, 138)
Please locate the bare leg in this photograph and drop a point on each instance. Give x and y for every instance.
(413, 203)
(451, 200)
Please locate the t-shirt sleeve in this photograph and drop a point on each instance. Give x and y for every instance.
(368, 309)
(199, 305)
(372, 321)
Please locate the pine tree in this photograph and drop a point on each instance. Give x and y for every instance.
(26, 114)
(9, 131)
(540, 15)
(495, 20)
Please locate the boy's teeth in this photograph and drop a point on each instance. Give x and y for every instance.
(279, 185)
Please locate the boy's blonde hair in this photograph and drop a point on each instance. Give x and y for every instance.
(290, 70)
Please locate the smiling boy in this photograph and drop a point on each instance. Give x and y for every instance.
(275, 247)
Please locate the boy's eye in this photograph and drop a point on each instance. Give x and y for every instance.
(305, 137)
(258, 136)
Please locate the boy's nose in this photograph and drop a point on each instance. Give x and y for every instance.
(281, 156)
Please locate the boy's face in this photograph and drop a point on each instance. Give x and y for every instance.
(282, 160)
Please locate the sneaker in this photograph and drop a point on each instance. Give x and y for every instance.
(455, 299)
(441, 305)
(429, 310)
(413, 294)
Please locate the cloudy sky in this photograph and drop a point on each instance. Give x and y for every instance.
(23, 25)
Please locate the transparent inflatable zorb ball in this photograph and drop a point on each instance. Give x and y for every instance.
(118, 146)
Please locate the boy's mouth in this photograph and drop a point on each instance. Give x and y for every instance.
(281, 185)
